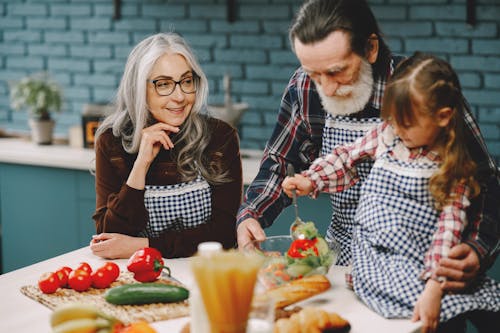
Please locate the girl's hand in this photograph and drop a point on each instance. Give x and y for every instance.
(153, 138)
(116, 246)
(428, 307)
(298, 183)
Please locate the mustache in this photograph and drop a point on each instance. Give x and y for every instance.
(344, 90)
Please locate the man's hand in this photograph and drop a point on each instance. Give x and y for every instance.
(248, 231)
(460, 268)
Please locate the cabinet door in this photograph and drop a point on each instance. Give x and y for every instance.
(38, 213)
(86, 207)
(317, 210)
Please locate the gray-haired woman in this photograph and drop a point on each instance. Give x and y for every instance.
(166, 176)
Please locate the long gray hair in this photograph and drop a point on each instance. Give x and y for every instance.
(132, 115)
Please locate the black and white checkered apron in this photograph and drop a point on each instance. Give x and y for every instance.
(395, 223)
(342, 130)
(178, 206)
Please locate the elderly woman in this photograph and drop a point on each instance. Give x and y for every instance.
(167, 176)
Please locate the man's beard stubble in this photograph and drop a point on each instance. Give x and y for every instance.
(360, 93)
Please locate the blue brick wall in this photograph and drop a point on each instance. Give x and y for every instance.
(85, 49)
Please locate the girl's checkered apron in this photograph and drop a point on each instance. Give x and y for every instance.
(177, 207)
(395, 223)
(342, 130)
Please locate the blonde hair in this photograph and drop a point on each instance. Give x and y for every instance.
(433, 79)
(131, 114)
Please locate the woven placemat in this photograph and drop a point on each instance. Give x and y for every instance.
(126, 313)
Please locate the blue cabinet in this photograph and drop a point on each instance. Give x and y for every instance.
(44, 212)
(317, 210)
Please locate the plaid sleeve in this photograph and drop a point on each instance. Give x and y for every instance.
(336, 171)
(451, 224)
(297, 123)
(485, 241)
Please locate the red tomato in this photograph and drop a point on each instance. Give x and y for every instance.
(62, 274)
(79, 280)
(101, 278)
(84, 267)
(48, 283)
(113, 269)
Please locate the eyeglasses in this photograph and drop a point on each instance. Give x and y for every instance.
(165, 87)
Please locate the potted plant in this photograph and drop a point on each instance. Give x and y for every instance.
(40, 96)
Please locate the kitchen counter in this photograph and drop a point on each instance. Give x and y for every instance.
(21, 314)
(23, 151)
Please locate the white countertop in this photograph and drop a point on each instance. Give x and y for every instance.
(23, 151)
(23, 315)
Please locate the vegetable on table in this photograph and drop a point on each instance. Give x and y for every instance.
(48, 283)
(79, 280)
(146, 264)
(145, 293)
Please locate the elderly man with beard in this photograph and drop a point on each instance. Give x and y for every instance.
(333, 99)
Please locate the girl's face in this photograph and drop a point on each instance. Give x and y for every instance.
(174, 108)
(423, 131)
(425, 128)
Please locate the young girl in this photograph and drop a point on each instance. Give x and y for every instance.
(412, 207)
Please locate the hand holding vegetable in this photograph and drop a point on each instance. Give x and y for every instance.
(146, 264)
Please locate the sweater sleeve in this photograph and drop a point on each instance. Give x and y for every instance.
(226, 198)
(119, 208)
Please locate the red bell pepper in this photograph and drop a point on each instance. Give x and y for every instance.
(146, 264)
(300, 248)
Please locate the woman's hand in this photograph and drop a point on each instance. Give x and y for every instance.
(116, 246)
(428, 307)
(153, 138)
(298, 183)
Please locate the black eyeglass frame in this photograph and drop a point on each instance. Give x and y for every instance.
(195, 78)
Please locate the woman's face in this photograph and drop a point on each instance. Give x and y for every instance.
(174, 108)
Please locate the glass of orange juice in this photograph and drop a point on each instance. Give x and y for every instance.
(226, 281)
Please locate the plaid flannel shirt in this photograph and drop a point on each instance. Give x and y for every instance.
(336, 172)
(297, 137)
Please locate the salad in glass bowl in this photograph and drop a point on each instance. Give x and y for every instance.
(288, 259)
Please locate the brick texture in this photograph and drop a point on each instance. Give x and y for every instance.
(85, 49)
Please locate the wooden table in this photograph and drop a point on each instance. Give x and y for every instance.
(19, 313)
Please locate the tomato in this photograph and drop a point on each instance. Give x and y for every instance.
(79, 280)
(101, 278)
(62, 274)
(301, 248)
(113, 269)
(84, 267)
(48, 283)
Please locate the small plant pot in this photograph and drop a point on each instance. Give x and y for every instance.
(41, 131)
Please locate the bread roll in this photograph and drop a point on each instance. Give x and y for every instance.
(312, 320)
(298, 290)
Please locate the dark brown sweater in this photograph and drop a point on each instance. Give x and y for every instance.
(120, 208)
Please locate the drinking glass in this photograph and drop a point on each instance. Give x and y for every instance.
(226, 281)
(261, 316)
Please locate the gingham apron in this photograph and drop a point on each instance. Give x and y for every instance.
(178, 206)
(395, 223)
(342, 130)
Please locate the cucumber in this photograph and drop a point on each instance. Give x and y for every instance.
(145, 293)
(297, 269)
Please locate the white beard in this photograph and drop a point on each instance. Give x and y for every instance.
(360, 91)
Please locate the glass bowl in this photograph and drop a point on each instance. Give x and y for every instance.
(280, 268)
